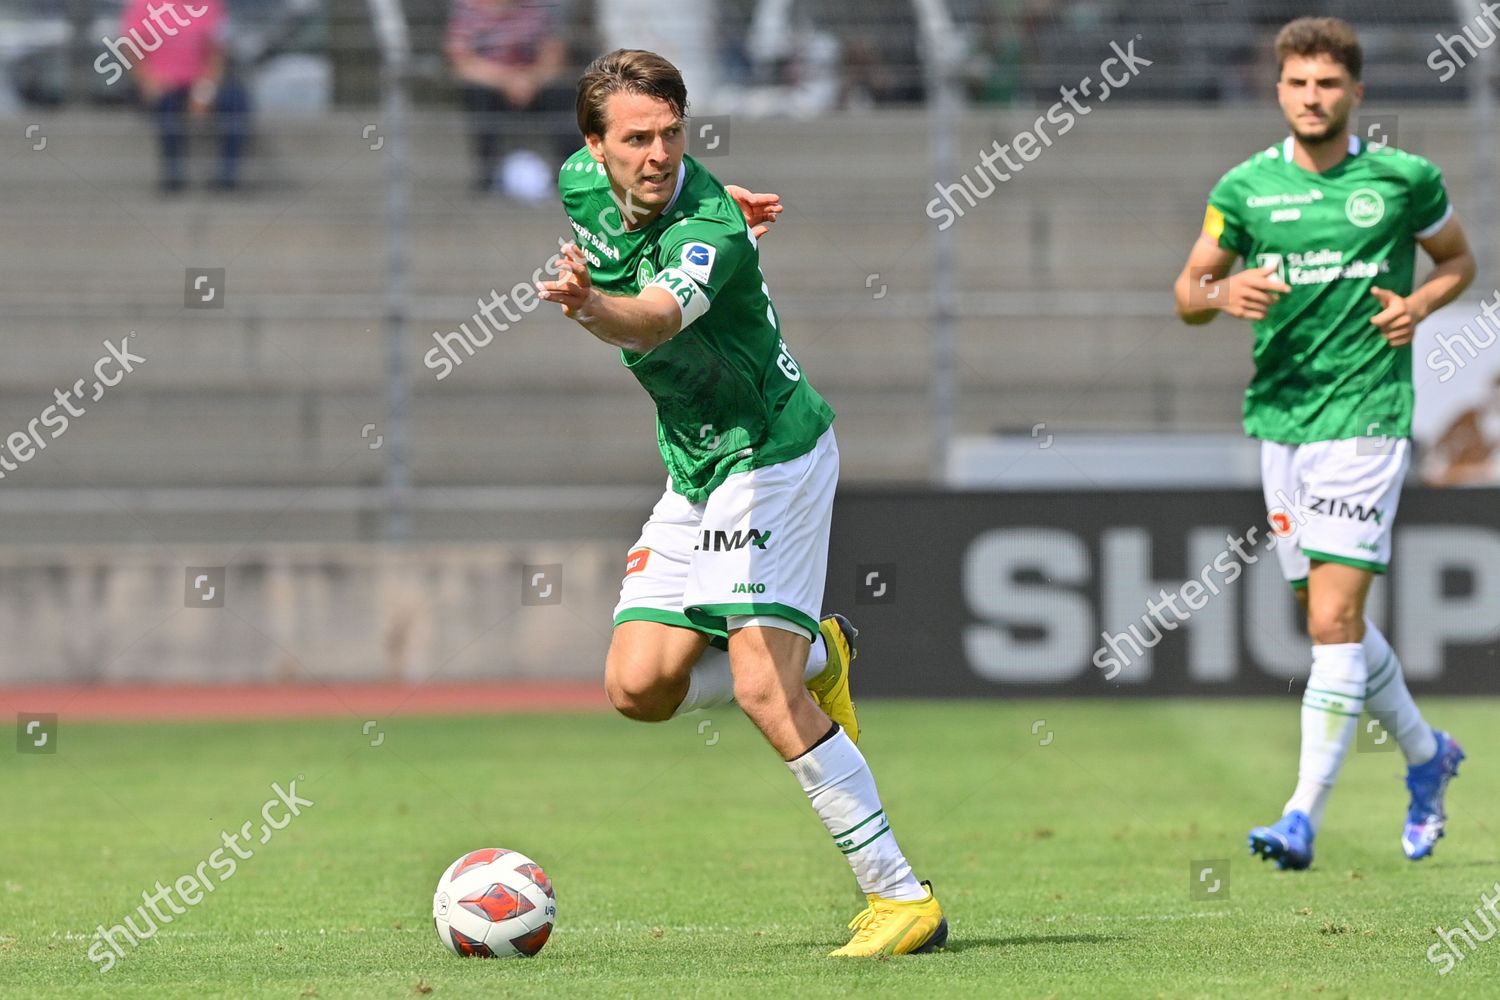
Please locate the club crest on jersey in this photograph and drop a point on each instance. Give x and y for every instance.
(698, 261)
(645, 272)
(1364, 208)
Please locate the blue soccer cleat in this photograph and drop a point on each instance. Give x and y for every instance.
(1427, 783)
(1288, 841)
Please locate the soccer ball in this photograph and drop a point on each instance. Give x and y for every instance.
(494, 903)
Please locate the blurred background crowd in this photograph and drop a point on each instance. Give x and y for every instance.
(511, 63)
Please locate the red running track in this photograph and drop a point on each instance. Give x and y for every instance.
(135, 703)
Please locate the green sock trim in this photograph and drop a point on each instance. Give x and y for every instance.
(1331, 711)
(856, 826)
(1375, 674)
(1390, 658)
(1370, 694)
(1336, 694)
(883, 831)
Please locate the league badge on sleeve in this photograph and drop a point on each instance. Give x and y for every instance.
(697, 261)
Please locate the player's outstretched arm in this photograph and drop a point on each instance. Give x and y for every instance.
(1206, 287)
(760, 210)
(638, 323)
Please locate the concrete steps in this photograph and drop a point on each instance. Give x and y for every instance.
(1063, 280)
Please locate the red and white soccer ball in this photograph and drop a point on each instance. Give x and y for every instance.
(494, 903)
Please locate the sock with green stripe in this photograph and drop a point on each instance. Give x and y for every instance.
(1386, 696)
(1331, 706)
(842, 791)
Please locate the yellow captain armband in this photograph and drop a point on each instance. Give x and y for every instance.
(1213, 222)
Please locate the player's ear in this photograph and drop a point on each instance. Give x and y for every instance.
(596, 147)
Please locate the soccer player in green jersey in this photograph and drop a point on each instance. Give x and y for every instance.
(722, 593)
(1331, 226)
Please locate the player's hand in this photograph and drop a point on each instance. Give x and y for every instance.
(574, 287)
(760, 210)
(1249, 294)
(1395, 320)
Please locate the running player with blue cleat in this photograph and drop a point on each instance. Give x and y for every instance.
(1332, 226)
(721, 598)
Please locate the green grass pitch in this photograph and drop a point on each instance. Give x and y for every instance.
(1061, 836)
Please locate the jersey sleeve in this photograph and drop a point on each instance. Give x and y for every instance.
(696, 259)
(1430, 209)
(1223, 219)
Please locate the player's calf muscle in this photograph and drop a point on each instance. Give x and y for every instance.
(768, 666)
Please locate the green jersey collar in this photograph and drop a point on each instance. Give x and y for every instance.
(1287, 149)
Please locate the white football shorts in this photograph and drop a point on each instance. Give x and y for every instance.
(757, 548)
(1333, 501)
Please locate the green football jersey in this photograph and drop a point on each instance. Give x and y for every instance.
(1322, 371)
(729, 397)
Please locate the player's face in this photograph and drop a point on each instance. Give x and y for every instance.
(641, 149)
(1316, 94)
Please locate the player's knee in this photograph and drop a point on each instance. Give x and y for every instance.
(1328, 624)
(642, 703)
(638, 692)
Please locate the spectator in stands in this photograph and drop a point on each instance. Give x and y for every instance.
(179, 66)
(882, 65)
(509, 57)
(992, 71)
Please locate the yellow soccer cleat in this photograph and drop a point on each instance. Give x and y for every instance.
(893, 927)
(830, 689)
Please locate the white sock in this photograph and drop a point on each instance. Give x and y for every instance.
(1386, 695)
(842, 791)
(710, 684)
(817, 658)
(1331, 706)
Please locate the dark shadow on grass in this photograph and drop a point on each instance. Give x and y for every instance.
(975, 942)
(967, 942)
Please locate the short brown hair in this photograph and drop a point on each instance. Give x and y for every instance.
(1316, 36)
(633, 71)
